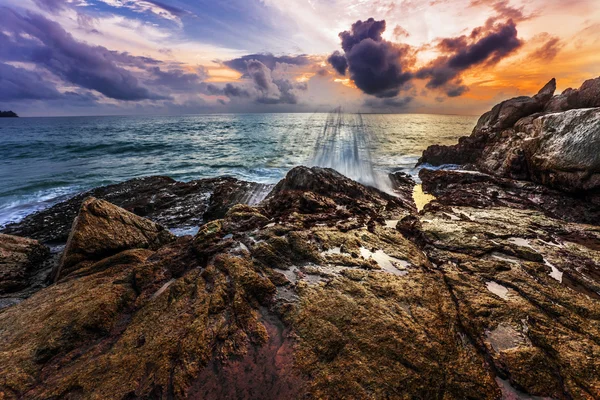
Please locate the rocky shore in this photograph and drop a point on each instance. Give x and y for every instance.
(326, 288)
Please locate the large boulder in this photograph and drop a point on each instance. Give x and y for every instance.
(522, 139)
(564, 151)
(102, 229)
(20, 259)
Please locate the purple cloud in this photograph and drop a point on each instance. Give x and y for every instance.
(35, 39)
(268, 59)
(377, 67)
(485, 45)
(338, 62)
(21, 84)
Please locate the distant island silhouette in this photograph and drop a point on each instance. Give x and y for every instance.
(8, 114)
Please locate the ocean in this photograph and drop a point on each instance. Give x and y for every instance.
(46, 160)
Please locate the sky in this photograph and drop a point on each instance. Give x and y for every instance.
(155, 57)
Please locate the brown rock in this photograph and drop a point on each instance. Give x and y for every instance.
(158, 198)
(102, 229)
(20, 258)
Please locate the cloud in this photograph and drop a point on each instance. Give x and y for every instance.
(155, 7)
(267, 86)
(268, 59)
(177, 79)
(21, 84)
(377, 67)
(52, 6)
(400, 32)
(263, 81)
(34, 39)
(273, 91)
(485, 45)
(388, 103)
(549, 49)
(338, 62)
(503, 10)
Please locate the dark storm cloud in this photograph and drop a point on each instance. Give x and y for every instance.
(384, 69)
(369, 29)
(21, 84)
(35, 39)
(377, 67)
(268, 59)
(338, 62)
(484, 46)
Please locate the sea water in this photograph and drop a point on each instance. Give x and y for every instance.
(46, 160)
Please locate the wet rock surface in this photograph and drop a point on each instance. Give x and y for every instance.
(24, 265)
(327, 289)
(477, 189)
(552, 140)
(101, 230)
(158, 198)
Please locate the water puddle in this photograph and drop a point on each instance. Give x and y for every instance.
(505, 337)
(505, 258)
(387, 263)
(498, 289)
(521, 242)
(554, 272)
(421, 198)
(510, 393)
(333, 250)
(391, 223)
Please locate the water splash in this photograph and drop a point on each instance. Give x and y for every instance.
(344, 145)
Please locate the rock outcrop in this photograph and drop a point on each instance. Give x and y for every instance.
(544, 139)
(20, 260)
(161, 199)
(327, 289)
(101, 230)
(477, 189)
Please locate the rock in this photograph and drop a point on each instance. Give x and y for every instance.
(546, 93)
(476, 189)
(587, 96)
(158, 198)
(564, 151)
(521, 139)
(323, 191)
(102, 229)
(20, 260)
(314, 294)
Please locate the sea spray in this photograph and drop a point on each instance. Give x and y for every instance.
(344, 145)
